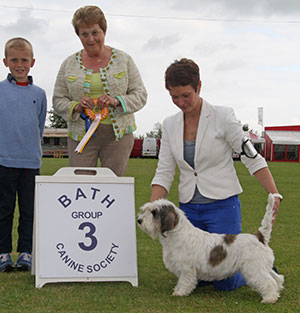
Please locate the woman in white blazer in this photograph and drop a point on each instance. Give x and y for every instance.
(199, 140)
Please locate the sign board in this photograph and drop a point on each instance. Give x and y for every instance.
(84, 228)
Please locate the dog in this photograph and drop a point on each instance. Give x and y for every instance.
(192, 254)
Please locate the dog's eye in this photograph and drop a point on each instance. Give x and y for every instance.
(154, 213)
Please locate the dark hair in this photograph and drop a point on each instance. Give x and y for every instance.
(89, 15)
(182, 73)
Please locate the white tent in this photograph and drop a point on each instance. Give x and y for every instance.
(284, 137)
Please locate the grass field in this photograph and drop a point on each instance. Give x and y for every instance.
(18, 293)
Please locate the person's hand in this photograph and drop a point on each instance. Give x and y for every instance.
(106, 100)
(276, 207)
(84, 103)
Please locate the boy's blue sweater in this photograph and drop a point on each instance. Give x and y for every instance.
(22, 119)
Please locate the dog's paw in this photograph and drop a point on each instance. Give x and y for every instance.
(181, 293)
(269, 299)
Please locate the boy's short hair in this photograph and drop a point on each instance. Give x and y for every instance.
(182, 73)
(89, 15)
(17, 43)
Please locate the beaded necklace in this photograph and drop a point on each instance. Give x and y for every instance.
(89, 72)
(103, 76)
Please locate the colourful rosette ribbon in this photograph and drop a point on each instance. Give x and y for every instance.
(96, 116)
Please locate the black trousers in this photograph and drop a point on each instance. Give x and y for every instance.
(16, 182)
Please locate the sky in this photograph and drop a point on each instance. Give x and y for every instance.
(248, 51)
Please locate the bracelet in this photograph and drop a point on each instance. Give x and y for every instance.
(76, 107)
(278, 195)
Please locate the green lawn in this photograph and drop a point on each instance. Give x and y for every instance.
(18, 292)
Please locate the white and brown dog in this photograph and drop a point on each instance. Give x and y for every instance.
(193, 255)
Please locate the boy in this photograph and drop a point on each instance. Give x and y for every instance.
(23, 108)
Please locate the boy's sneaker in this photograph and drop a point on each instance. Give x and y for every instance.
(6, 263)
(24, 262)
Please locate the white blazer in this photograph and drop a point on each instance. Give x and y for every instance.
(219, 132)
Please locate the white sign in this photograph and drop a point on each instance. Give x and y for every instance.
(85, 227)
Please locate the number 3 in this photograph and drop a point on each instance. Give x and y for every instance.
(89, 234)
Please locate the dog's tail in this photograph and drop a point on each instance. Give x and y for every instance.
(266, 224)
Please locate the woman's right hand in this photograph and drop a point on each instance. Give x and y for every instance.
(84, 103)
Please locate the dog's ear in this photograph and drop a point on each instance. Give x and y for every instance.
(168, 217)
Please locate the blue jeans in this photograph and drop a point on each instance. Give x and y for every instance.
(221, 217)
